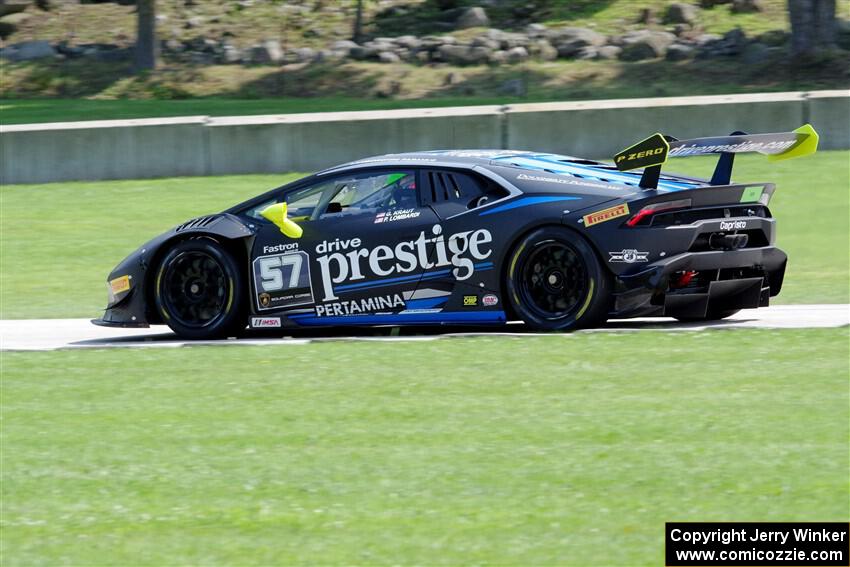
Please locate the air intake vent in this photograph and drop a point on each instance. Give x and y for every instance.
(199, 222)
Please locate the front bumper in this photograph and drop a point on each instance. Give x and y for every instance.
(125, 324)
(729, 280)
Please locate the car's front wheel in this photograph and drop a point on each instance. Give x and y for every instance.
(556, 282)
(198, 290)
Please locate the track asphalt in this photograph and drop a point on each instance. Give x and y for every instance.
(52, 334)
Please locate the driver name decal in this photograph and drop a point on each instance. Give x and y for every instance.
(395, 215)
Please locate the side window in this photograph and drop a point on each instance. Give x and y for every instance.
(453, 192)
(350, 195)
(372, 192)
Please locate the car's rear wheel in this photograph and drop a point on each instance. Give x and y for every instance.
(556, 282)
(198, 290)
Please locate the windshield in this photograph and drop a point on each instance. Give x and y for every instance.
(352, 194)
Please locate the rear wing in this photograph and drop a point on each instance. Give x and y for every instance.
(653, 152)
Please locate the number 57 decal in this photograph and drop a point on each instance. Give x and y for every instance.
(282, 280)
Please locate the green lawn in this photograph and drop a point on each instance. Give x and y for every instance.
(59, 241)
(354, 453)
(24, 111)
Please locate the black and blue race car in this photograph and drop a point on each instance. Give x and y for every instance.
(471, 237)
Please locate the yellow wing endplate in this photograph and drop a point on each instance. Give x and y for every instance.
(807, 144)
(277, 214)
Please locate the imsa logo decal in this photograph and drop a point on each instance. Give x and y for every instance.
(605, 215)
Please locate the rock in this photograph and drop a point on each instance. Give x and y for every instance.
(379, 45)
(568, 41)
(774, 38)
(755, 53)
(707, 38)
(173, 45)
(388, 57)
(29, 50)
(194, 22)
(713, 3)
(408, 42)
(488, 42)
(304, 54)
(608, 52)
(731, 44)
(450, 79)
(747, 6)
(464, 55)
(587, 53)
(343, 47)
(509, 40)
(681, 13)
(644, 44)
(544, 50)
(513, 87)
(498, 58)
(231, 54)
(433, 42)
(680, 52)
(361, 52)
(268, 52)
(323, 55)
(517, 55)
(536, 30)
(475, 17)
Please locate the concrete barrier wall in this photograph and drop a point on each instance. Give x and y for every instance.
(132, 149)
(829, 113)
(309, 142)
(120, 149)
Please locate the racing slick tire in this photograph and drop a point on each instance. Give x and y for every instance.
(712, 315)
(555, 281)
(198, 290)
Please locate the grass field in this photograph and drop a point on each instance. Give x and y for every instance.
(570, 450)
(59, 241)
(80, 90)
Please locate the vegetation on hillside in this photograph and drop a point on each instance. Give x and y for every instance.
(196, 36)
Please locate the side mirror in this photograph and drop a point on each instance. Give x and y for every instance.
(277, 214)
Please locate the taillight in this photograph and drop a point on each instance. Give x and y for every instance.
(656, 208)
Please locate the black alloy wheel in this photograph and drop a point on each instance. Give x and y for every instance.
(556, 282)
(198, 290)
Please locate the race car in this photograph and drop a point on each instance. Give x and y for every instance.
(472, 237)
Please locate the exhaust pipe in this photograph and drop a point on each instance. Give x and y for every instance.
(720, 241)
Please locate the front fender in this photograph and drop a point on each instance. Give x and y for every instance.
(129, 302)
